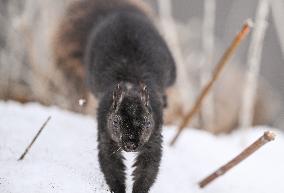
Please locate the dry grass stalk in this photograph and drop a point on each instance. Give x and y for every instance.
(208, 109)
(227, 55)
(278, 15)
(254, 57)
(170, 33)
(267, 137)
(34, 139)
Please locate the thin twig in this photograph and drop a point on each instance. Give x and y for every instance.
(266, 137)
(227, 55)
(34, 139)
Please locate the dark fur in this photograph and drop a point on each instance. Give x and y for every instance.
(128, 67)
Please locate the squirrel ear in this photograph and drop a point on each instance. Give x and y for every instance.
(144, 94)
(117, 96)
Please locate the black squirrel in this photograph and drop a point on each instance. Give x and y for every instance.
(127, 66)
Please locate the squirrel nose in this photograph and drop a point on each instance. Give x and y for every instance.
(130, 146)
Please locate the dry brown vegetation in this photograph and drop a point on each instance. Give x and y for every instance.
(28, 73)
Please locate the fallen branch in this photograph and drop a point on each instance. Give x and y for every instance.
(267, 137)
(34, 139)
(227, 55)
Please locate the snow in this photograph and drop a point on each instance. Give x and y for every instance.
(64, 158)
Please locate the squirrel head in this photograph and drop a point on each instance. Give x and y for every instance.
(130, 121)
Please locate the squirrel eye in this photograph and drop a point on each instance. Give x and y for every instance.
(115, 122)
(148, 124)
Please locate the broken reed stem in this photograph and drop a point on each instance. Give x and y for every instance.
(227, 55)
(265, 138)
(34, 139)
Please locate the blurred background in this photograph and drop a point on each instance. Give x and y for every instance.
(249, 92)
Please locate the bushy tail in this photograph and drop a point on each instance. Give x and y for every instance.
(70, 40)
(73, 31)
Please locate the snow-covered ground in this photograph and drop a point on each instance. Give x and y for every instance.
(64, 158)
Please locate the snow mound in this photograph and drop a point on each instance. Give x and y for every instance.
(64, 158)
